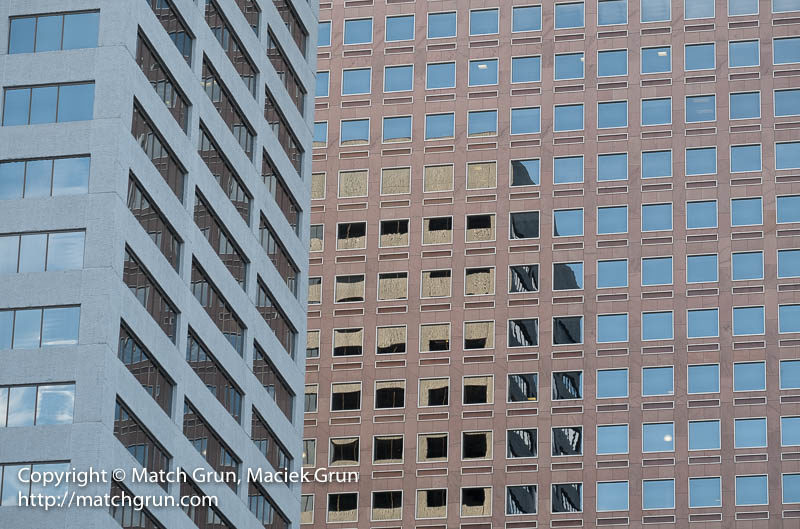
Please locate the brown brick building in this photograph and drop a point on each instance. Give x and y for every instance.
(553, 278)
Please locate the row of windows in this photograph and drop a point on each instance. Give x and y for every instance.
(567, 15)
(31, 328)
(68, 31)
(610, 496)
(567, 66)
(58, 103)
(36, 405)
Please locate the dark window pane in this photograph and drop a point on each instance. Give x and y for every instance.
(76, 102)
(80, 31)
(22, 35)
(6, 328)
(9, 254)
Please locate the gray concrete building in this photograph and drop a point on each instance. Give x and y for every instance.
(154, 190)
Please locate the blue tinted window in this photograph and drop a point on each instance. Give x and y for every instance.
(701, 161)
(742, 7)
(748, 321)
(320, 133)
(612, 274)
(656, 271)
(441, 25)
(657, 381)
(657, 111)
(787, 155)
(612, 114)
(354, 132)
(658, 437)
(701, 214)
(324, 34)
(526, 120)
(789, 318)
(790, 431)
(749, 376)
(745, 158)
(48, 32)
(569, 66)
(612, 496)
(75, 102)
(702, 323)
(526, 69)
(611, 12)
(483, 22)
(397, 129)
(612, 219)
(612, 167)
(612, 328)
(400, 28)
(750, 433)
(526, 18)
(748, 265)
(791, 488)
(655, 10)
(788, 263)
(656, 164)
(705, 492)
(612, 383)
(12, 180)
(356, 81)
(440, 75)
(698, 9)
(358, 31)
(703, 378)
(6, 328)
(16, 105)
(323, 82)
(482, 123)
(746, 105)
(569, 15)
(22, 36)
(786, 51)
(701, 268)
(70, 176)
(439, 126)
(612, 439)
(398, 78)
(657, 325)
(612, 62)
(701, 108)
(80, 31)
(699, 56)
(656, 60)
(656, 217)
(483, 72)
(787, 102)
(43, 104)
(37, 178)
(568, 117)
(567, 222)
(751, 490)
(568, 169)
(789, 208)
(746, 212)
(790, 374)
(743, 53)
(27, 329)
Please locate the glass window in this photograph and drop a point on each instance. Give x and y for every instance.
(787, 155)
(567, 222)
(746, 212)
(569, 15)
(612, 62)
(32, 252)
(701, 268)
(439, 126)
(702, 323)
(358, 31)
(743, 53)
(526, 69)
(482, 123)
(745, 158)
(526, 120)
(790, 374)
(16, 106)
(789, 318)
(354, 132)
(567, 276)
(612, 167)
(612, 114)
(526, 18)
(356, 81)
(75, 102)
(612, 219)
(398, 78)
(745, 105)
(742, 7)
(400, 28)
(790, 431)
(656, 271)
(612, 383)
(320, 133)
(701, 108)
(612, 328)
(612, 439)
(657, 381)
(567, 385)
(656, 217)
(751, 490)
(440, 75)
(705, 492)
(656, 60)
(612, 274)
(748, 321)
(483, 72)
(658, 437)
(789, 208)
(22, 35)
(699, 56)
(788, 263)
(703, 378)
(60, 326)
(701, 214)
(65, 250)
(483, 21)
(55, 404)
(568, 169)
(701, 161)
(527, 173)
(748, 265)
(612, 496)
(396, 129)
(704, 435)
(324, 34)
(43, 104)
(749, 376)
(21, 406)
(323, 82)
(524, 225)
(784, 6)
(657, 164)
(787, 102)
(70, 176)
(657, 111)
(750, 433)
(441, 25)
(610, 12)
(657, 325)
(790, 484)
(48, 33)
(698, 9)
(27, 329)
(568, 330)
(655, 10)
(570, 117)
(568, 66)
